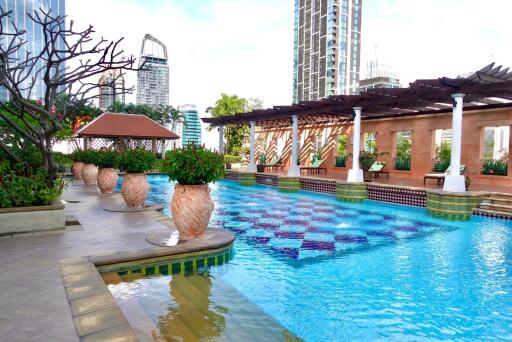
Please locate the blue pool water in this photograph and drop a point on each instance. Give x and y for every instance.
(330, 271)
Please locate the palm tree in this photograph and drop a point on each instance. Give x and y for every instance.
(173, 117)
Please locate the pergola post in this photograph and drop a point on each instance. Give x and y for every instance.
(294, 169)
(355, 174)
(455, 182)
(153, 145)
(252, 163)
(221, 139)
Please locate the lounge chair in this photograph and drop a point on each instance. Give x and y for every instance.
(316, 167)
(376, 168)
(276, 163)
(440, 176)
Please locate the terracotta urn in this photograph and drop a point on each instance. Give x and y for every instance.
(107, 180)
(77, 170)
(191, 208)
(89, 174)
(135, 189)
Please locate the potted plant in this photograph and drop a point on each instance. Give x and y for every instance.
(134, 163)
(78, 164)
(89, 170)
(230, 159)
(341, 151)
(193, 167)
(261, 165)
(366, 160)
(107, 176)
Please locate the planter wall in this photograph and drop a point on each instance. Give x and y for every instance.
(32, 219)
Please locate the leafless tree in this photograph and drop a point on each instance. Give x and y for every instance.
(69, 63)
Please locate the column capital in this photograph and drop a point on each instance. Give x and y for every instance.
(458, 95)
(357, 108)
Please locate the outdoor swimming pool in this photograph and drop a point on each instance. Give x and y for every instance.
(330, 271)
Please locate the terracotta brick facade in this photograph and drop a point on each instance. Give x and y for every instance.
(423, 142)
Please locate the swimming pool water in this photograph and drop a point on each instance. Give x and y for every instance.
(331, 271)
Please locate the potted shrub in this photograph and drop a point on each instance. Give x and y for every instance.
(341, 151)
(366, 160)
(89, 170)
(193, 167)
(107, 176)
(230, 159)
(78, 164)
(135, 185)
(261, 165)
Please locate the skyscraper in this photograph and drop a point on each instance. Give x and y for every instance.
(191, 128)
(327, 48)
(153, 78)
(33, 36)
(112, 88)
(379, 74)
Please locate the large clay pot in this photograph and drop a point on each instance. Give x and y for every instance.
(89, 174)
(191, 208)
(77, 170)
(135, 189)
(107, 180)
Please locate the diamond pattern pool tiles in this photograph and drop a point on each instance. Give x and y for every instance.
(300, 227)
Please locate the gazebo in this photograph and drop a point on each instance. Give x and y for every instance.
(490, 87)
(125, 131)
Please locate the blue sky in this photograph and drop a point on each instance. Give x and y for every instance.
(245, 47)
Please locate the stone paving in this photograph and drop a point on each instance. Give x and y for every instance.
(33, 303)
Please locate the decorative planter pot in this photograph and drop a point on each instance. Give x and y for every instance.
(77, 170)
(260, 168)
(367, 176)
(135, 189)
(107, 180)
(89, 174)
(191, 208)
(228, 166)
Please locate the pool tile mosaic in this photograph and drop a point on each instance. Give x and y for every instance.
(298, 227)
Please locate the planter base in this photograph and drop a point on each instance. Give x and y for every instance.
(124, 209)
(32, 219)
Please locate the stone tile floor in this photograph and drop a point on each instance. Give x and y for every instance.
(33, 304)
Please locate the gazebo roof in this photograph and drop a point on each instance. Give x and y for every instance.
(490, 87)
(117, 125)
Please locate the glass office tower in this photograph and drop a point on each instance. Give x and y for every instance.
(191, 128)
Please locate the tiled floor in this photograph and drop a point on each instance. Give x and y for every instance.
(32, 297)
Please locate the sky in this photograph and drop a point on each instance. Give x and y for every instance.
(245, 47)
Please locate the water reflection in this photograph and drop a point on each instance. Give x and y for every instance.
(192, 317)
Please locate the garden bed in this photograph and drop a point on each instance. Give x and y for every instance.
(32, 219)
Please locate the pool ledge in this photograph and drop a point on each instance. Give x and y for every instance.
(95, 313)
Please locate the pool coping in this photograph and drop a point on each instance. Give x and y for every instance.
(94, 310)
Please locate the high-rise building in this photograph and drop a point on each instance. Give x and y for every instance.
(327, 48)
(153, 78)
(191, 128)
(112, 88)
(33, 37)
(379, 74)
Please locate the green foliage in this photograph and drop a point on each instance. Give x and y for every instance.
(263, 158)
(403, 154)
(495, 167)
(230, 159)
(366, 158)
(106, 159)
(136, 161)
(162, 114)
(20, 191)
(341, 150)
(235, 134)
(193, 165)
(88, 156)
(443, 157)
(316, 156)
(341, 161)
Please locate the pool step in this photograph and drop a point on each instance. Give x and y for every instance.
(496, 207)
(494, 213)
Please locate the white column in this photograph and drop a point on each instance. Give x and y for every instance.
(252, 164)
(455, 182)
(221, 139)
(294, 169)
(355, 174)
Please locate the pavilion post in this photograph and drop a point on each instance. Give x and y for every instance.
(355, 174)
(252, 163)
(86, 143)
(455, 182)
(153, 145)
(221, 139)
(294, 169)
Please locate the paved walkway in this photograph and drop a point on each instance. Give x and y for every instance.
(33, 304)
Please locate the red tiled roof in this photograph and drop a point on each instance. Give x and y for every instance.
(126, 125)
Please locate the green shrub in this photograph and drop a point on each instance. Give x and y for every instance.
(106, 159)
(263, 158)
(19, 191)
(367, 158)
(495, 167)
(443, 157)
(230, 159)
(342, 145)
(341, 161)
(403, 164)
(136, 161)
(193, 165)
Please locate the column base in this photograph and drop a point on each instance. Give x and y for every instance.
(288, 184)
(349, 192)
(355, 176)
(294, 171)
(452, 206)
(247, 178)
(251, 167)
(454, 183)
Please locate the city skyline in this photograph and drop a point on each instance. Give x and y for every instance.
(112, 89)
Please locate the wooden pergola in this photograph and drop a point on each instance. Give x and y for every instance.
(489, 87)
(125, 131)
